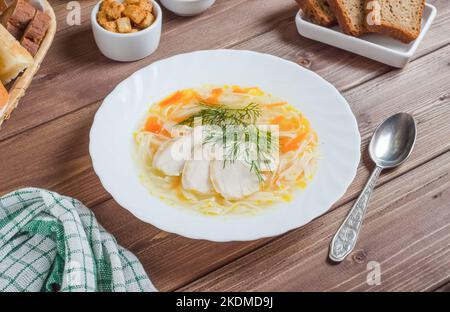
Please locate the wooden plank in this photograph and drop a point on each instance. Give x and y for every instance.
(74, 59)
(411, 90)
(56, 157)
(169, 259)
(64, 166)
(64, 67)
(443, 288)
(406, 231)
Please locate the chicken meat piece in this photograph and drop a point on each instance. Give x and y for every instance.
(196, 172)
(234, 180)
(196, 176)
(172, 155)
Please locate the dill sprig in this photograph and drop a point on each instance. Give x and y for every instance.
(239, 135)
(221, 115)
(249, 144)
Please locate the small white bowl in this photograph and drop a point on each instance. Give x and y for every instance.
(378, 47)
(187, 7)
(128, 47)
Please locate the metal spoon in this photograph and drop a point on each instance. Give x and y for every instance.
(390, 146)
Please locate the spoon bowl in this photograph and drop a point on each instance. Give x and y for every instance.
(393, 141)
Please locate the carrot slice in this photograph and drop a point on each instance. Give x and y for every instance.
(292, 144)
(285, 124)
(251, 90)
(275, 104)
(189, 95)
(237, 89)
(154, 125)
(214, 97)
(172, 99)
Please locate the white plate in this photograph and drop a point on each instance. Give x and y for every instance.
(111, 140)
(378, 47)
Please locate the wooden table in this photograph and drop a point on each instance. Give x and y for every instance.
(406, 230)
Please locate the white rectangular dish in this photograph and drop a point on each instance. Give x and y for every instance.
(378, 47)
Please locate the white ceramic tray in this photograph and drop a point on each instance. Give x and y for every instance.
(374, 46)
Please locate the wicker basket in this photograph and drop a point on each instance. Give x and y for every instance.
(20, 85)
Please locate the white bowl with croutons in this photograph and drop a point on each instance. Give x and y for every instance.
(127, 30)
(187, 7)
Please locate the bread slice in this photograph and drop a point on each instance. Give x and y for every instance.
(13, 57)
(3, 6)
(37, 28)
(14, 31)
(399, 19)
(31, 46)
(350, 15)
(19, 14)
(318, 11)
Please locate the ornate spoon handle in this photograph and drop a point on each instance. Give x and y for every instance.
(345, 239)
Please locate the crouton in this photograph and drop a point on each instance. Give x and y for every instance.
(105, 23)
(101, 17)
(148, 20)
(105, 4)
(114, 10)
(123, 25)
(134, 13)
(110, 26)
(146, 5)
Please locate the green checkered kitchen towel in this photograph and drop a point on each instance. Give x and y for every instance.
(51, 242)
